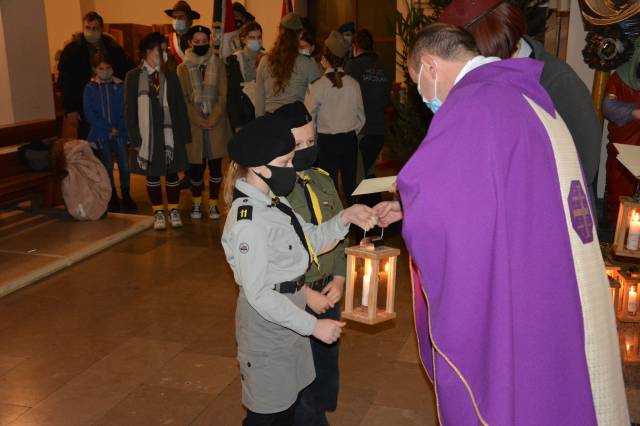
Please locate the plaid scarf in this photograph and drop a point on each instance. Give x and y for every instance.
(204, 84)
(145, 116)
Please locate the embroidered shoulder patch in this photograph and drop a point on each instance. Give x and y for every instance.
(580, 211)
(245, 213)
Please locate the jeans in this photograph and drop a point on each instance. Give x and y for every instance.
(106, 150)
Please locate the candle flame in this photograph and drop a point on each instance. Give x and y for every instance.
(635, 216)
(386, 267)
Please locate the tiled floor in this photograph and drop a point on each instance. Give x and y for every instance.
(143, 334)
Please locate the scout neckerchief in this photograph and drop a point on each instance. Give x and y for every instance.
(275, 202)
(297, 227)
(312, 200)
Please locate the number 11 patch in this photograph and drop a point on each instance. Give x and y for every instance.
(245, 213)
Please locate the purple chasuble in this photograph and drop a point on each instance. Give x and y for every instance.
(500, 231)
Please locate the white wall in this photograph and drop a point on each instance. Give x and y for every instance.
(26, 65)
(63, 19)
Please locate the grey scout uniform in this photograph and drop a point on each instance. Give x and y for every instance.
(263, 249)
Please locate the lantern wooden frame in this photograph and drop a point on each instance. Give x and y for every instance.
(613, 272)
(627, 207)
(371, 314)
(627, 282)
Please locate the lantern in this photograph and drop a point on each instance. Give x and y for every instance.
(628, 298)
(370, 266)
(627, 239)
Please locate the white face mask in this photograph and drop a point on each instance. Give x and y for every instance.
(165, 56)
(305, 52)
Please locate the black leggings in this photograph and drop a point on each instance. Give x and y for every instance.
(196, 174)
(154, 189)
(283, 418)
(338, 154)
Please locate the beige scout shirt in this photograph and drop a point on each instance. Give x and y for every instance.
(305, 71)
(263, 249)
(336, 110)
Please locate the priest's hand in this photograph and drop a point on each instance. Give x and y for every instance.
(388, 212)
(334, 289)
(361, 215)
(317, 302)
(328, 331)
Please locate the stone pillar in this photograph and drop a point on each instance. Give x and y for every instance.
(26, 92)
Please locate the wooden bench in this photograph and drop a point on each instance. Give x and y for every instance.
(18, 182)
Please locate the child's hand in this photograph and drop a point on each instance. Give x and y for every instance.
(334, 289)
(328, 331)
(318, 303)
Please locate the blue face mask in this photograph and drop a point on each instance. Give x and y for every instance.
(254, 45)
(434, 104)
(180, 25)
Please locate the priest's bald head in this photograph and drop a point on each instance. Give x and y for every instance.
(436, 57)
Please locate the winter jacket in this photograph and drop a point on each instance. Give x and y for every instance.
(104, 109)
(86, 189)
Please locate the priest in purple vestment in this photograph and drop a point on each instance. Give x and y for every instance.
(511, 300)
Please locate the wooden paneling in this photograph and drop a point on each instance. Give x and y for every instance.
(17, 133)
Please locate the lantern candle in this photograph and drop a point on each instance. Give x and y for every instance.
(632, 306)
(366, 282)
(633, 239)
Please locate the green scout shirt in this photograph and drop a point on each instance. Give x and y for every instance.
(333, 262)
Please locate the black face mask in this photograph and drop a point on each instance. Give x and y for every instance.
(282, 180)
(201, 49)
(305, 158)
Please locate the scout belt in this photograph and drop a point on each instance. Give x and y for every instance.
(320, 284)
(289, 287)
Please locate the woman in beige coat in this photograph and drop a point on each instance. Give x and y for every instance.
(204, 84)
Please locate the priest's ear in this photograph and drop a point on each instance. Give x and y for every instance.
(429, 66)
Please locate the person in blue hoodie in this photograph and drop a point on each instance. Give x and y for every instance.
(104, 109)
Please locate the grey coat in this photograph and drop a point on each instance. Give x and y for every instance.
(572, 100)
(179, 119)
(263, 250)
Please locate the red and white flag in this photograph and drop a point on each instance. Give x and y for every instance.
(287, 7)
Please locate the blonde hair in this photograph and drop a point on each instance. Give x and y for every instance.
(234, 172)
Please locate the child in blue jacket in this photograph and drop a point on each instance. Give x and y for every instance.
(104, 110)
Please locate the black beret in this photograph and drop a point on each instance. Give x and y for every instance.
(151, 41)
(197, 29)
(295, 114)
(260, 141)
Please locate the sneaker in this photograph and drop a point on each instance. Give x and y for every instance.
(159, 223)
(214, 213)
(175, 219)
(196, 211)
